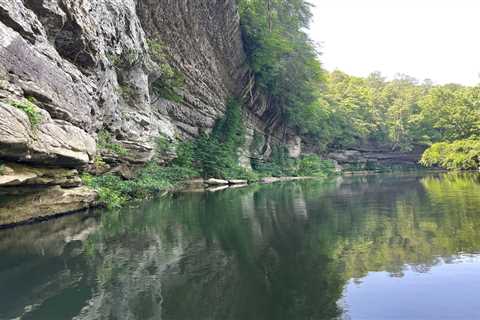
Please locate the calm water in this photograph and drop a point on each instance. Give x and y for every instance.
(382, 247)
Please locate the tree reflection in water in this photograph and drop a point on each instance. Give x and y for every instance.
(266, 252)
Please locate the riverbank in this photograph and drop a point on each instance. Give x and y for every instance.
(42, 204)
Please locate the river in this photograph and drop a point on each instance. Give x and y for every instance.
(403, 246)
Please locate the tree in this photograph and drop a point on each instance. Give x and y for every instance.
(280, 53)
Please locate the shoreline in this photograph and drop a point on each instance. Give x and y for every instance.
(196, 185)
(190, 186)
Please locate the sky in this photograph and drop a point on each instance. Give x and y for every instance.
(426, 39)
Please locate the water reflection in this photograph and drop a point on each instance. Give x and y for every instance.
(285, 251)
(447, 291)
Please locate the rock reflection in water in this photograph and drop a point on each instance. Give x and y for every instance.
(282, 251)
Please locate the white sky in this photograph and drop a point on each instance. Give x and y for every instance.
(435, 39)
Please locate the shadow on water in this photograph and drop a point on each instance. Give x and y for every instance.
(267, 252)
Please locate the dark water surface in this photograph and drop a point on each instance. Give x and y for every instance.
(380, 247)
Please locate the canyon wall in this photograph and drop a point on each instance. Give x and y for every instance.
(86, 67)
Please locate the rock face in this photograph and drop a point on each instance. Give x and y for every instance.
(87, 67)
(369, 158)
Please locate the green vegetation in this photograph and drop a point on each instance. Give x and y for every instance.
(401, 113)
(129, 93)
(2, 168)
(313, 166)
(171, 81)
(335, 110)
(106, 143)
(458, 155)
(283, 58)
(213, 155)
(281, 165)
(31, 110)
(115, 192)
(163, 147)
(128, 59)
(216, 155)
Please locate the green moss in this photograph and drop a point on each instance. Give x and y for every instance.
(2, 169)
(31, 110)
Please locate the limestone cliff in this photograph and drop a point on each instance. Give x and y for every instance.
(86, 67)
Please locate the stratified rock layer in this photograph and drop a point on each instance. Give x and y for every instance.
(86, 65)
(45, 202)
(51, 142)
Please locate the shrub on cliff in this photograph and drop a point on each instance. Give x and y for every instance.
(31, 110)
(106, 143)
(171, 80)
(215, 155)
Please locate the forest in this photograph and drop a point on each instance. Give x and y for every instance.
(336, 110)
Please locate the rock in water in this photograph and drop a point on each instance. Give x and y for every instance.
(216, 182)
